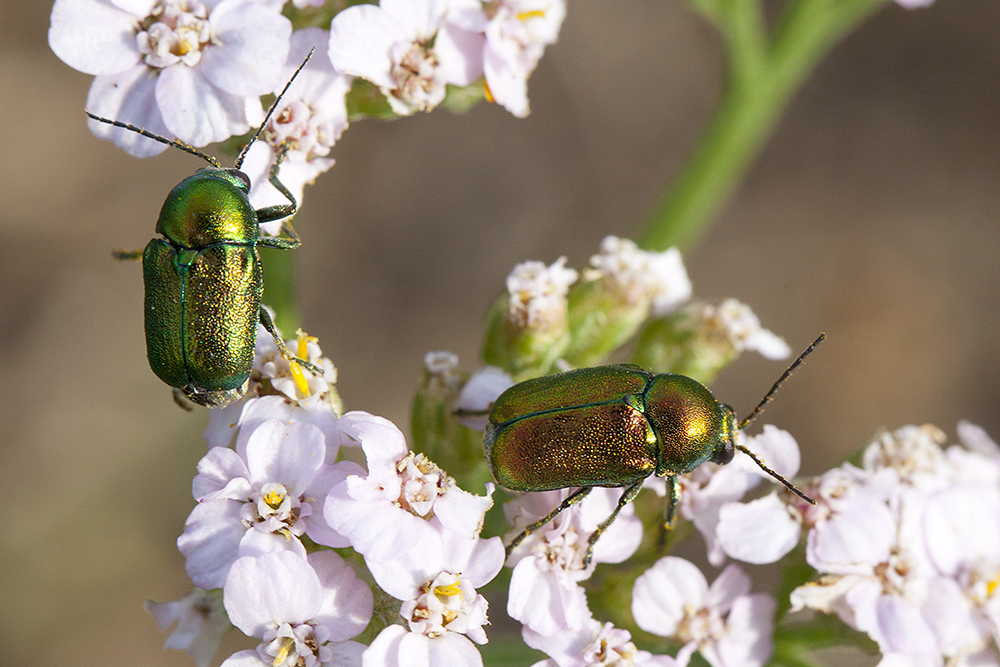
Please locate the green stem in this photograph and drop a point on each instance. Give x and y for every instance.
(763, 74)
(279, 288)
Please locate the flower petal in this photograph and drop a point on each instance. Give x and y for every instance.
(130, 97)
(761, 531)
(94, 37)
(271, 589)
(662, 592)
(197, 112)
(347, 601)
(254, 43)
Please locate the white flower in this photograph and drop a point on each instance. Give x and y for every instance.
(437, 583)
(179, 68)
(479, 394)
(879, 579)
(710, 488)
(404, 499)
(544, 593)
(724, 622)
(742, 327)
(264, 500)
(594, 645)
(201, 622)
(390, 45)
(280, 391)
(538, 293)
(308, 121)
(303, 612)
(640, 276)
(503, 40)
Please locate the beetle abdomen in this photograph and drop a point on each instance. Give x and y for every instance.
(593, 445)
(583, 386)
(221, 310)
(201, 314)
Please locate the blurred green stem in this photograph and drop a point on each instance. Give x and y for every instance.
(279, 289)
(764, 71)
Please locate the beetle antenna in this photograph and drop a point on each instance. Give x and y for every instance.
(163, 140)
(274, 105)
(788, 485)
(767, 397)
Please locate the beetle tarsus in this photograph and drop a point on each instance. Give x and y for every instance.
(181, 400)
(573, 499)
(286, 354)
(126, 255)
(627, 496)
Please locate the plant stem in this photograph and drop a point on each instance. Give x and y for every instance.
(279, 288)
(763, 74)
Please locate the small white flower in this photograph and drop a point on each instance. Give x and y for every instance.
(503, 40)
(658, 278)
(538, 293)
(724, 622)
(742, 328)
(437, 583)
(180, 68)
(302, 611)
(544, 593)
(404, 499)
(280, 391)
(308, 121)
(595, 645)
(263, 500)
(390, 44)
(709, 488)
(201, 622)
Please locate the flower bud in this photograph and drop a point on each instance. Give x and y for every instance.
(701, 339)
(526, 327)
(624, 285)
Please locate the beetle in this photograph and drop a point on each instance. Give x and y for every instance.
(612, 426)
(203, 278)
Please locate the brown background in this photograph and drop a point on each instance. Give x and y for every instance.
(871, 215)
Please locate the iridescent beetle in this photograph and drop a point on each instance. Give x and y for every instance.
(612, 426)
(203, 279)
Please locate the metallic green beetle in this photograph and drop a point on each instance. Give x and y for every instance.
(611, 426)
(203, 279)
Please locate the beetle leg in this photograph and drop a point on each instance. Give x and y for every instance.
(627, 496)
(181, 400)
(278, 211)
(288, 242)
(566, 504)
(286, 354)
(465, 412)
(672, 501)
(127, 255)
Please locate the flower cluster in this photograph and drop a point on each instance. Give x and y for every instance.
(273, 498)
(195, 70)
(907, 545)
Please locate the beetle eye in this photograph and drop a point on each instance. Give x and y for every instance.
(240, 175)
(724, 452)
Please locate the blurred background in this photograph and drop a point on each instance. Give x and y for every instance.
(872, 214)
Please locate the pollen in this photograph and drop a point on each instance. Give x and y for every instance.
(448, 590)
(282, 655)
(303, 353)
(531, 14)
(275, 496)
